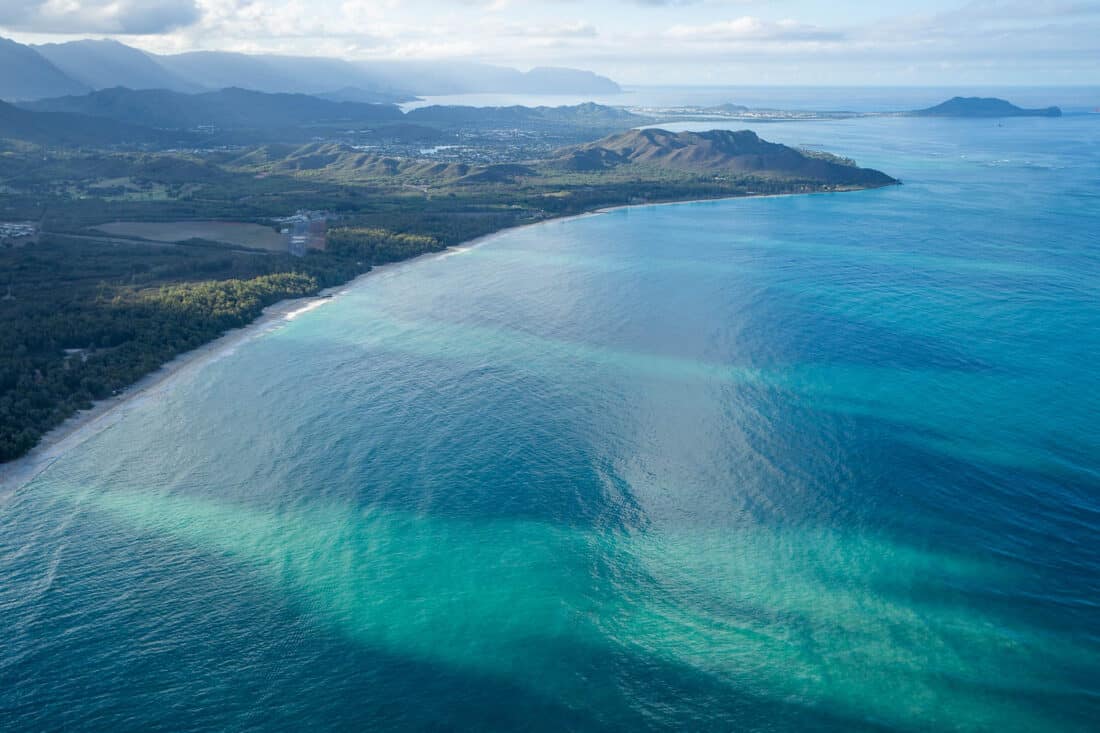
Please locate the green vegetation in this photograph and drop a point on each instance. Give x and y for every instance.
(379, 245)
(158, 119)
(86, 320)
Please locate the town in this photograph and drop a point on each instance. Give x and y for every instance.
(18, 234)
(304, 231)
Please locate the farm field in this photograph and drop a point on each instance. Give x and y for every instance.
(240, 234)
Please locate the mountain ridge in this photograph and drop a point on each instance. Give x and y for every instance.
(105, 64)
(36, 75)
(62, 128)
(241, 116)
(228, 108)
(74, 67)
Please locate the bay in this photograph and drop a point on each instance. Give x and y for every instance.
(826, 462)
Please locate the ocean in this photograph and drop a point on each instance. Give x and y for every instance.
(862, 99)
(825, 462)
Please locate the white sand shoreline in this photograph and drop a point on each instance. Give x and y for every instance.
(104, 413)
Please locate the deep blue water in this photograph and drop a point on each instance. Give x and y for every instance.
(808, 463)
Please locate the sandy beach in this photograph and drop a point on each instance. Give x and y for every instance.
(105, 413)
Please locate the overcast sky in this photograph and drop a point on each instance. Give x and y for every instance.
(634, 41)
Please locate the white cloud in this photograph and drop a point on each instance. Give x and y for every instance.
(121, 17)
(637, 41)
(749, 28)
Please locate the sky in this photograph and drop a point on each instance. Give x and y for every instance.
(710, 42)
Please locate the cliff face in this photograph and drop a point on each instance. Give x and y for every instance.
(983, 107)
(716, 151)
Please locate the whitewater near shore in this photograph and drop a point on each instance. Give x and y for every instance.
(105, 413)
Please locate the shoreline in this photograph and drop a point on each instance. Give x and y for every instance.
(86, 424)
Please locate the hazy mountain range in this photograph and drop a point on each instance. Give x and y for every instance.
(121, 116)
(78, 67)
(28, 75)
(231, 108)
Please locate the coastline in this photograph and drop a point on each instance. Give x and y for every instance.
(104, 413)
(712, 199)
(85, 424)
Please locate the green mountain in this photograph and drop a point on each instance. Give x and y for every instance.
(28, 75)
(59, 128)
(638, 156)
(983, 107)
(717, 151)
(241, 117)
(342, 163)
(225, 109)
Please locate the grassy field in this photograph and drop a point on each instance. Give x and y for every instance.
(238, 234)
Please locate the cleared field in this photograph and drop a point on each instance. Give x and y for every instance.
(235, 233)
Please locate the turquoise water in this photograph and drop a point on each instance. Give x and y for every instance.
(808, 463)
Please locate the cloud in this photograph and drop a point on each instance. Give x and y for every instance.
(636, 41)
(673, 3)
(123, 17)
(563, 30)
(749, 28)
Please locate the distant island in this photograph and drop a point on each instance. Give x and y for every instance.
(983, 107)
